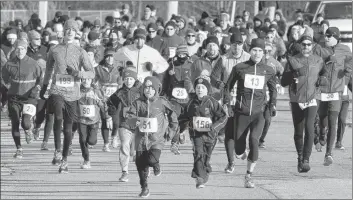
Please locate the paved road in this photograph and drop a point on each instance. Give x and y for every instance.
(276, 175)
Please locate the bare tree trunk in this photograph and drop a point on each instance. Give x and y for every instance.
(139, 11)
(222, 5)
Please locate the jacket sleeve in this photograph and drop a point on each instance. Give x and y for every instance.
(113, 103)
(287, 76)
(172, 119)
(160, 65)
(87, 66)
(217, 75)
(49, 69)
(39, 75)
(281, 48)
(102, 104)
(348, 63)
(271, 84)
(220, 117)
(5, 75)
(233, 77)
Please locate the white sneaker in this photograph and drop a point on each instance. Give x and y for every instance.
(328, 160)
(106, 148)
(248, 182)
(86, 165)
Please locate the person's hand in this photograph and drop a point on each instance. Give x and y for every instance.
(42, 92)
(225, 108)
(273, 111)
(171, 72)
(71, 71)
(149, 66)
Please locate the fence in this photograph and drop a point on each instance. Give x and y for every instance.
(25, 15)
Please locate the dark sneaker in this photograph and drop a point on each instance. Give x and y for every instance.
(248, 182)
(230, 168)
(305, 166)
(200, 183)
(115, 142)
(300, 166)
(157, 171)
(44, 146)
(175, 149)
(86, 165)
(328, 160)
(63, 169)
(36, 133)
(339, 146)
(322, 139)
(262, 145)
(18, 154)
(124, 177)
(29, 136)
(144, 193)
(57, 158)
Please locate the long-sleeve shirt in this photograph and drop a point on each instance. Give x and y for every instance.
(59, 58)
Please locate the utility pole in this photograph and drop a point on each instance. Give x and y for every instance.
(43, 12)
(172, 9)
(256, 7)
(233, 12)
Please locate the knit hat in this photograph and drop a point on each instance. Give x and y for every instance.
(140, 33)
(71, 24)
(90, 49)
(257, 42)
(192, 31)
(58, 14)
(325, 22)
(204, 15)
(93, 35)
(32, 35)
(182, 49)
(21, 43)
(23, 35)
(170, 23)
(305, 37)
(236, 38)
(334, 31)
(12, 33)
(129, 72)
(152, 81)
(152, 27)
(108, 52)
(125, 6)
(211, 39)
(204, 82)
(97, 22)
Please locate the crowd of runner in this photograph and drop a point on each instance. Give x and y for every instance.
(145, 82)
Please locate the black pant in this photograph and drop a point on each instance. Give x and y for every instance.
(3, 94)
(15, 112)
(178, 108)
(88, 136)
(144, 160)
(303, 119)
(202, 147)
(41, 115)
(268, 120)
(243, 124)
(342, 120)
(329, 110)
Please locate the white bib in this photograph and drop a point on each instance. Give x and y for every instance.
(172, 51)
(109, 90)
(29, 109)
(233, 92)
(308, 104)
(179, 93)
(64, 80)
(345, 91)
(87, 110)
(148, 125)
(254, 81)
(202, 124)
(330, 96)
(267, 95)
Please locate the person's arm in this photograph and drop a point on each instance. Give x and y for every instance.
(271, 84)
(233, 77)
(348, 62)
(160, 65)
(49, 69)
(219, 117)
(172, 120)
(87, 66)
(287, 76)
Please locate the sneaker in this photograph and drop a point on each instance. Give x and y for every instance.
(57, 158)
(318, 147)
(29, 136)
(90, 146)
(63, 167)
(175, 149)
(262, 145)
(182, 138)
(115, 142)
(86, 165)
(157, 171)
(328, 160)
(44, 146)
(145, 192)
(18, 154)
(248, 183)
(230, 168)
(200, 183)
(124, 177)
(106, 148)
(305, 166)
(339, 146)
(300, 166)
(36, 133)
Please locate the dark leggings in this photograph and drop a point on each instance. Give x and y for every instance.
(342, 120)
(268, 120)
(41, 115)
(88, 136)
(144, 160)
(243, 124)
(303, 119)
(15, 112)
(105, 130)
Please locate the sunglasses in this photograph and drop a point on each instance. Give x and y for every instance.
(169, 29)
(267, 51)
(190, 35)
(151, 31)
(328, 36)
(306, 44)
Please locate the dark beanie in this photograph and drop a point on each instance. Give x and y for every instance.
(140, 33)
(212, 39)
(257, 42)
(170, 23)
(204, 82)
(334, 31)
(236, 37)
(129, 72)
(204, 15)
(152, 81)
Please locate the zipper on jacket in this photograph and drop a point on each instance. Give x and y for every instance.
(307, 77)
(252, 93)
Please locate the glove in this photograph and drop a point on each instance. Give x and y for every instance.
(331, 59)
(35, 92)
(109, 123)
(42, 92)
(149, 66)
(71, 71)
(220, 85)
(273, 111)
(322, 81)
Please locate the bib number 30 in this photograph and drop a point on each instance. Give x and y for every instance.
(254, 81)
(202, 124)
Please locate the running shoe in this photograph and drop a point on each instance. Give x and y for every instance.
(144, 193)
(230, 168)
(124, 177)
(18, 154)
(86, 165)
(248, 182)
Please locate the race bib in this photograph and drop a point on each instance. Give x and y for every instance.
(254, 81)
(308, 104)
(233, 92)
(267, 95)
(202, 124)
(29, 109)
(233, 101)
(179, 93)
(108, 91)
(330, 96)
(172, 51)
(148, 125)
(87, 110)
(64, 80)
(345, 91)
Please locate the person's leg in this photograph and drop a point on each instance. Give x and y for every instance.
(199, 170)
(310, 114)
(229, 144)
(266, 127)
(124, 153)
(208, 149)
(48, 127)
(342, 124)
(83, 135)
(153, 160)
(176, 139)
(105, 135)
(26, 124)
(40, 116)
(323, 115)
(333, 111)
(241, 125)
(298, 123)
(14, 110)
(142, 169)
(115, 131)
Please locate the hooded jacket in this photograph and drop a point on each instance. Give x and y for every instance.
(158, 43)
(172, 42)
(108, 79)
